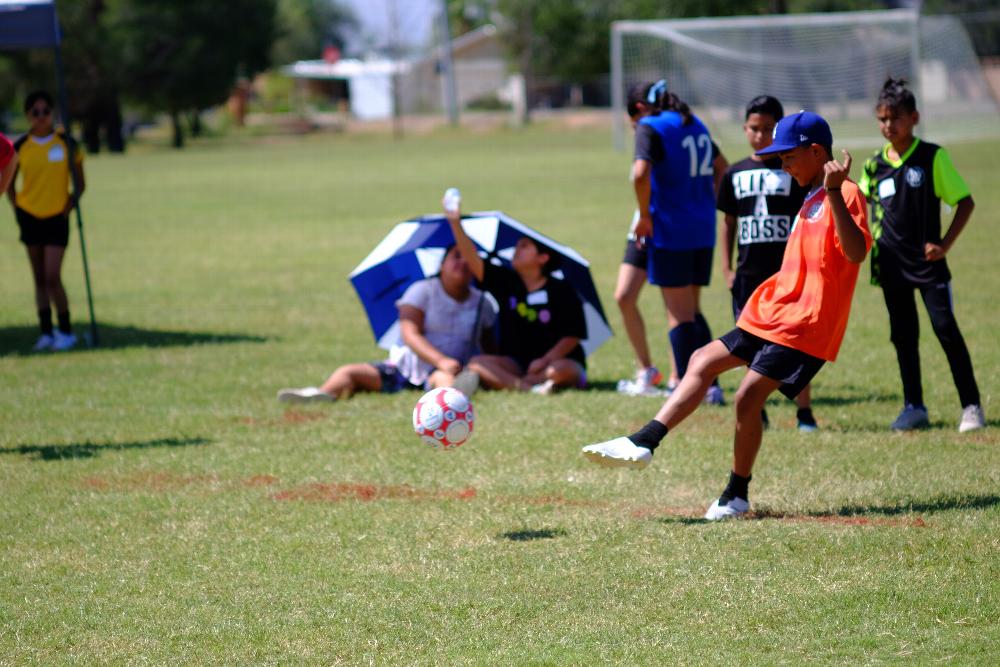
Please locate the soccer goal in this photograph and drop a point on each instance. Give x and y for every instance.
(834, 64)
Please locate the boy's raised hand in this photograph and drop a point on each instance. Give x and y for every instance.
(835, 173)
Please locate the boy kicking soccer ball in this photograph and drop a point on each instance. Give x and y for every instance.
(791, 325)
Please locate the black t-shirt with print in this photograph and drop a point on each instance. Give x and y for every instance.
(531, 323)
(765, 200)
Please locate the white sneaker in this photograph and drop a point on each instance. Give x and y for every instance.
(544, 388)
(644, 383)
(973, 419)
(43, 343)
(912, 417)
(733, 509)
(619, 453)
(63, 341)
(714, 395)
(305, 395)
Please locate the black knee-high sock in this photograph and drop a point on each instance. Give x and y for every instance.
(683, 341)
(650, 435)
(64, 325)
(704, 332)
(45, 320)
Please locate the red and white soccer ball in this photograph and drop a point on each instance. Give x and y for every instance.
(443, 418)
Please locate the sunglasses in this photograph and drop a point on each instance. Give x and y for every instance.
(40, 113)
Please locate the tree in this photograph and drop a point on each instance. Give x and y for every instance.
(185, 56)
(305, 27)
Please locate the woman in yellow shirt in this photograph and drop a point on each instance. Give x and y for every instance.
(42, 205)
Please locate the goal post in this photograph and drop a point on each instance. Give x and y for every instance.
(832, 63)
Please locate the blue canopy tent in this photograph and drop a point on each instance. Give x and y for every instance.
(34, 24)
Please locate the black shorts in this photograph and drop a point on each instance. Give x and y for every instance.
(43, 231)
(392, 380)
(679, 268)
(792, 368)
(743, 287)
(636, 255)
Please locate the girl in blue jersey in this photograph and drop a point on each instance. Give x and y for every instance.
(675, 173)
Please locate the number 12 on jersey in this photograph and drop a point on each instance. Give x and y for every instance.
(700, 144)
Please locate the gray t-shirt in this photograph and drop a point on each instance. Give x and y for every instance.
(449, 325)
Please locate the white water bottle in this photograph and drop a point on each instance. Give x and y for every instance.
(452, 200)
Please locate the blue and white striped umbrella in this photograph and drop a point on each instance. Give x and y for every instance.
(413, 250)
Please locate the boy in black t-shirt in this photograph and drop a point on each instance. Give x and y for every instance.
(760, 202)
(906, 182)
(541, 319)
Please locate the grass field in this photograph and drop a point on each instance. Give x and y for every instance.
(159, 506)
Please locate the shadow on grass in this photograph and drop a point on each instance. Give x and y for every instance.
(18, 340)
(86, 450)
(852, 395)
(866, 514)
(529, 535)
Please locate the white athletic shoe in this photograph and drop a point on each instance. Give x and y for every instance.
(973, 419)
(644, 383)
(305, 395)
(619, 453)
(63, 341)
(544, 388)
(43, 343)
(733, 509)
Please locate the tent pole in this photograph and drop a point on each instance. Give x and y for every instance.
(71, 157)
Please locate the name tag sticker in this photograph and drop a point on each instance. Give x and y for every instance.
(539, 298)
(886, 188)
(56, 154)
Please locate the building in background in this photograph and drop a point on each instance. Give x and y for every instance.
(367, 85)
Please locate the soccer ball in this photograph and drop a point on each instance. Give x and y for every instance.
(443, 418)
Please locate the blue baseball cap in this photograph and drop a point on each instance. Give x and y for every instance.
(800, 129)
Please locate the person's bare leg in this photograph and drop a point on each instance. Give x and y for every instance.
(562, 373)
(804, 399)
(36, 256)
(352, 378)
(53, 277)
(706, 364)
(497, 372)
(630, 282)
(750, 399)
(441, 378)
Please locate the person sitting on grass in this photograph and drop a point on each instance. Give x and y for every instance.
(791, 325)
(441, 321)
(541, 319)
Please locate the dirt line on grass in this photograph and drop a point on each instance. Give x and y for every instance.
(338, 491)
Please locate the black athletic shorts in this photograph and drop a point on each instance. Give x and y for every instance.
(43, 231)
(636, 255)
(680, 268)
(392, 380)
(792, 368)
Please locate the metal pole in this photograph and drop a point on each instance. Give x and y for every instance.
(915, 63)
(71, 157)
(617, 90)
(448, 67)
(397, 120)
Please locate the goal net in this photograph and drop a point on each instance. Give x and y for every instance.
(834, 64)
